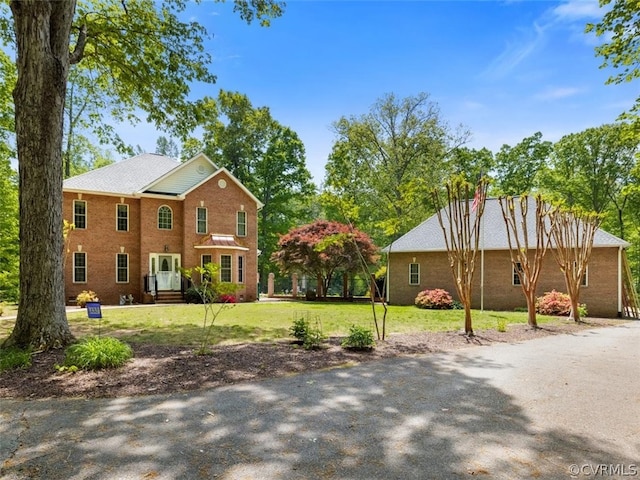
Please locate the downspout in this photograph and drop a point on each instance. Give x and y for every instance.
(620, 307)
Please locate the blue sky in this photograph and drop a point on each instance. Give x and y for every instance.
(504, 70)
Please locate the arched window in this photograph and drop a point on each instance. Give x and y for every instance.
(165, 218)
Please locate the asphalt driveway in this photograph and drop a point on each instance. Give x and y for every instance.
(565, 406)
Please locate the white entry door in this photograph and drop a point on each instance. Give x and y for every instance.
(166, 268)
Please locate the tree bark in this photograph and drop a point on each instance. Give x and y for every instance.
(531, 309)
(42, 30)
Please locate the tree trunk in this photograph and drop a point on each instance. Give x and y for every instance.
(575, 313)
(468, 329)
(531, 309)
(42, 31)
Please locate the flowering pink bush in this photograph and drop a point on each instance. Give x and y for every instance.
(227, 298)
(555, 303)
(436, 299)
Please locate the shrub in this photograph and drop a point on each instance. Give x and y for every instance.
(86, 296)
(94, 353)
(299, 329)
(11, 358)
(194, 295)
(435, 299)
(314, 338)
(359, 338)
(557, 303)
(227, 298)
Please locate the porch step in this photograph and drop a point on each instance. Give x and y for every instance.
(169, 297)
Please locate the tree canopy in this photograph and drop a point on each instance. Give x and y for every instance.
(323, 248)
(143, 57)
(385, 163)
(266, 156)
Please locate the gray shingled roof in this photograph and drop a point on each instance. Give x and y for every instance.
(428, 236)
(125, 177)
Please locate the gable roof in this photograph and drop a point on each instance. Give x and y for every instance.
(126, 177)
(150, 173)
(428, 236)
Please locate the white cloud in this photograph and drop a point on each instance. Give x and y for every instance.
(516, 52)
(556, 93)
(577, 10)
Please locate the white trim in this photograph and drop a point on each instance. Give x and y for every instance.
(246, 227)
(158, 217)
(118, 268)
(206, 220)
(86, 214)
(118, 218)
(222, 247)
(241, 259)
(230, 267)
(86, 268)
(410, 274)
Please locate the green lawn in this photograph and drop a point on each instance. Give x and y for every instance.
(266, 321)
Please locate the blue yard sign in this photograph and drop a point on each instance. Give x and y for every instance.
(93, 310)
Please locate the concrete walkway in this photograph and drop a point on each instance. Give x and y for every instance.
(565, 406)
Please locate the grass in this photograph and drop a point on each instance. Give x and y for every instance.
(11, 358)
(266, 321)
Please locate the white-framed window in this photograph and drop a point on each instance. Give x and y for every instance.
(201, 220)
(80, 214)
(414, 274)
(122, 217)
(165, 218)
(225, 268)
(585, 277)
(515, 277)
(241, 224)
(122, 268)
(79, 267)
(240, 269)
(204, 260)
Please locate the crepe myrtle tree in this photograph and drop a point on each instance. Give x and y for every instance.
(322, 249)
(460, 215)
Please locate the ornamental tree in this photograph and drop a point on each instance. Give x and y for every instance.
(323, 248)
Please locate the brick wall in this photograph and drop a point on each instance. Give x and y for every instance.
(600, 295)
(101, 241)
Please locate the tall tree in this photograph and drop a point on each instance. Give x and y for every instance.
(527, 255)
(572, 231)
(322, 249)
(267, 157)
(518, 167)
(591, 169)
(460, 218)
(387, 152)
(167, 146)
(118, 39)
(621, 48)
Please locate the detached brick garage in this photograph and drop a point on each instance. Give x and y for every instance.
(139, 220)
(418, 261)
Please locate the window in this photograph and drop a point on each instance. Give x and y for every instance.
(206, 259)
(242, 224)
(240, 269)
(225, 268)
(201, 220)
(122, 217)
(584, 277)
(122, 268)
(414, 274)
(79, 267)
(165, 220)
(517, 269)
(80, 214)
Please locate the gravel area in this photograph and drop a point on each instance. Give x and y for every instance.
(162, 369)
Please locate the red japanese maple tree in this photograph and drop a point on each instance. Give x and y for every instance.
(323, 248)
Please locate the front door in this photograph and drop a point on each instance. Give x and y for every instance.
(166, 268)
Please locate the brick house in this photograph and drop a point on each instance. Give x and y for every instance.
(139, 220)
(418, 261)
